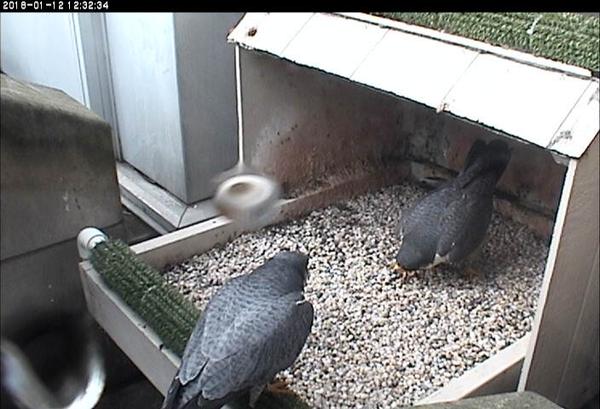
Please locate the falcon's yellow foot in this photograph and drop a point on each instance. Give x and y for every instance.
(279, 387)
(409, 274)
(395, 267)
(402, 273)
(472, 272)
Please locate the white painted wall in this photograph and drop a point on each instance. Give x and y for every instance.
(142, 58)
(207, 98)
(164, 82)
(43, 48)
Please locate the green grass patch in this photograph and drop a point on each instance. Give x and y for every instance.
(570, 38)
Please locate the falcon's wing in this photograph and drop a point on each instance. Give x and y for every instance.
(264, 339)
(221, 310)
(181, 390)
(219, 313)
(464, 226)
(425, 213)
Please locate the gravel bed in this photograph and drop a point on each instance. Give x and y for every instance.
(379, 341)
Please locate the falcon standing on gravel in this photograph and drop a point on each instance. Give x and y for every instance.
(253, 327)
(450, 223)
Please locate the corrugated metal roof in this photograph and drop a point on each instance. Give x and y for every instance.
(543, 102)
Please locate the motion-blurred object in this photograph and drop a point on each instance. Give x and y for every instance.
(243, 194)
(58, 366)
(248, 198)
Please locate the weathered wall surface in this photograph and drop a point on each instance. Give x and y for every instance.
(309, 129)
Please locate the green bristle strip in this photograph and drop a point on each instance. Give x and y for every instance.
(144, 289)
(570, 38)
(163, 308)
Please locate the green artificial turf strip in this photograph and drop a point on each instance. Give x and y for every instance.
(158, 303)
(143, 288)
(566, 37)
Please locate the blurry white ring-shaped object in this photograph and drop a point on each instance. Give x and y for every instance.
(247, 197)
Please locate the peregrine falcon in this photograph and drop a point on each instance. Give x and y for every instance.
(253, 327)
(450, 223)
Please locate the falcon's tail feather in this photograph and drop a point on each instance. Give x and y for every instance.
(180, 396)
(189, 397)
(172, 395)
(485, 158)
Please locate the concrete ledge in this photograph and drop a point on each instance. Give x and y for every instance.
(158, 208)
(57, 167)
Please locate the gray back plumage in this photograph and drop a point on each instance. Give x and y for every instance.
(451, 221)
(255, 326)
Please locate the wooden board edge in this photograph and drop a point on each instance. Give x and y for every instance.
(181, 244)
(128, 330)
(565, 280)
(497, 374)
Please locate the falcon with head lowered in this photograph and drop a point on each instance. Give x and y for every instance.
(450, 223)
(253, 327)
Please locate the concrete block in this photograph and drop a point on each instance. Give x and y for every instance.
(42, 282)
(57, 167)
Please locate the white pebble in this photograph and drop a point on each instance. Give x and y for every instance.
(378, 342)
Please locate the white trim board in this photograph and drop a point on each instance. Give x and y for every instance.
(549, 104)
(156, 206)
(564, 344)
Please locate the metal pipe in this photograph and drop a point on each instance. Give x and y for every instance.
(25, 387)
(87, 239)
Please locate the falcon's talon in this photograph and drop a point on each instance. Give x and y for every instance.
(472, 272)
(280, 387)
(397, 269)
